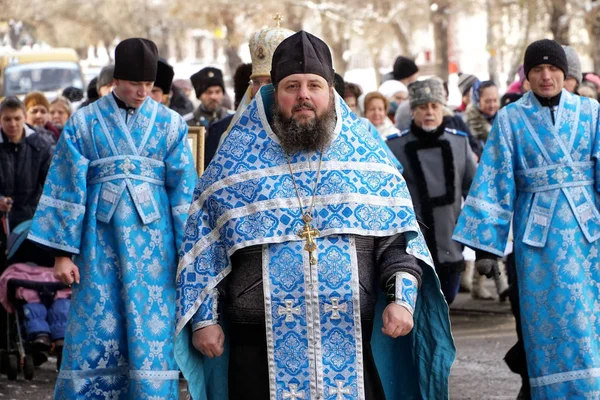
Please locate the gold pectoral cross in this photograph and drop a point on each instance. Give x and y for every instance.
(309, 234)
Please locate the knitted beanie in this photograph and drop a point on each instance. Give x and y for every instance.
(404, 67)
(574, 70)
(465, 82)
(545, 51)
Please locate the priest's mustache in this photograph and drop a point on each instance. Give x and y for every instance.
(304, 104)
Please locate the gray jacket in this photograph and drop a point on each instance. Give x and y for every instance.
(438, 169)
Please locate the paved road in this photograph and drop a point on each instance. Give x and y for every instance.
(483, 332)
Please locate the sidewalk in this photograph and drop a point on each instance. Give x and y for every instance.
(464, 303)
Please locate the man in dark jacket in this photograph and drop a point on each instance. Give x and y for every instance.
(24, 161)
(25, 156)
(210, 88)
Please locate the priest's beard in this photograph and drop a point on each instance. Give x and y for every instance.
(312, 135)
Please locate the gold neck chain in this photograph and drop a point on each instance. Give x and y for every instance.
(308, 233)
(312, 205)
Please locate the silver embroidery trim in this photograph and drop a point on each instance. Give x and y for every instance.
(112, 159)
(133, 374)
(173, 133)
(92, 373)
(53, 245)
(357, 323)
(117, 191)
(104, 128)
(544, 168)
(324, 232)
(204, 324)
(182, 209)
(594, 112)
(154, 375)
(82, 131)
(556, 186)
(215, 315)
(285, 203)
(61, 204)
(503, 127)
(578, 216)
(284, 170)
(123, 176)
(148, 129)
(491, 208)
(146, 217)
(575, 124)
(564, 377)
(209, 286)
(126, 126)
(266, 260)
(537, 210)
(399, 298)
(313, 322)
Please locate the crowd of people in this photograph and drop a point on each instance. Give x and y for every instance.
(317, 255)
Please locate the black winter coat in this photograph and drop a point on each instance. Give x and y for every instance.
(23, 169)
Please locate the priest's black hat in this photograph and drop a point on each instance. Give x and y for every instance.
(164, 76)
(206, 78)
(136, 60)
(545, 51)
(302, 53)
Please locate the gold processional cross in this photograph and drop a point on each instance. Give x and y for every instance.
(309, 234)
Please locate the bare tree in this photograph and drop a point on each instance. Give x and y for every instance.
(560, 21)
(592, 23)
(440, 10)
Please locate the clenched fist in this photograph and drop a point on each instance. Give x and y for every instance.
(65, 270)
(209, 340)
(397, 321)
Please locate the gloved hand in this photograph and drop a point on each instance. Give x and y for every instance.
(488, 267)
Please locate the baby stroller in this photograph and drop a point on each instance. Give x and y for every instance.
(20, 354)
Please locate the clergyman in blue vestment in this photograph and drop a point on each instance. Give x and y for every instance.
(539, 170)
(298, 224)
(116, 198)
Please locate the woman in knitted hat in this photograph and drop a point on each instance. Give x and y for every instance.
(465, 83)
(38, 115)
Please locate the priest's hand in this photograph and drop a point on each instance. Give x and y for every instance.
(209, 340)
(65, 270)
(397, 321)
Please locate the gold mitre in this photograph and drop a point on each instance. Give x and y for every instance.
(262, 46)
